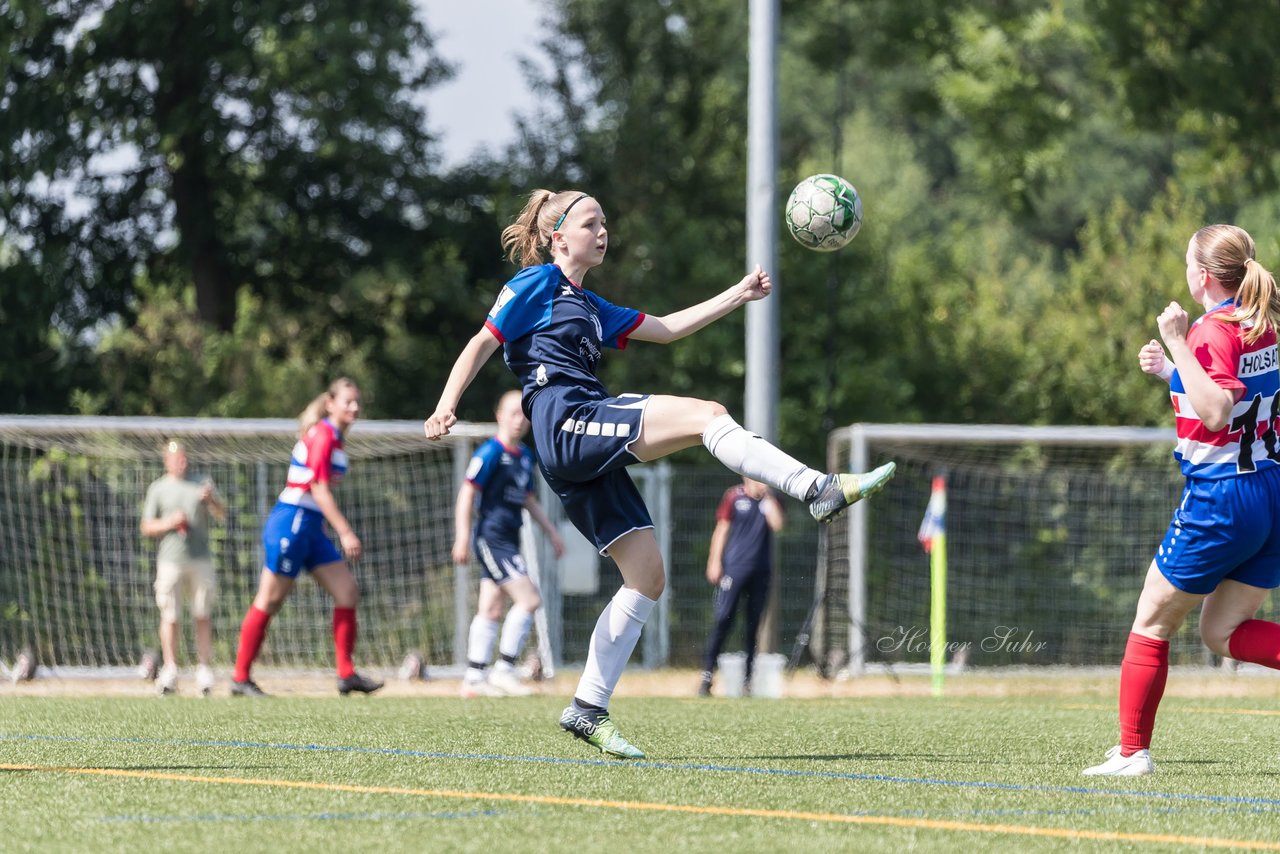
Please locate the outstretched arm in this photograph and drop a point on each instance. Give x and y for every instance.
(472, 358)
(672, 327)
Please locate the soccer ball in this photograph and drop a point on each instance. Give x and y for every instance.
(824, 212)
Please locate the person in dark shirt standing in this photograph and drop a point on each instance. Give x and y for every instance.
(739, 566)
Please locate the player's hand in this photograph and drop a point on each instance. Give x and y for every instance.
(557, 544)
(755, 285)
(1173, 323)
(714, 571)
(1151, 358)
(177, 520)
(461, 552)
(206, 491)
(351, 546)
(437, 426)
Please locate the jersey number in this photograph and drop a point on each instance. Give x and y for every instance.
(1247, 422)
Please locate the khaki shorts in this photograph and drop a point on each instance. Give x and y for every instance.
(195, 578)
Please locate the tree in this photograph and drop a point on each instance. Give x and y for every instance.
(274, 145)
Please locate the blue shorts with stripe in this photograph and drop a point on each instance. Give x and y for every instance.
(500, 560)
(584, 446)
(1228, 528)
(294, 541)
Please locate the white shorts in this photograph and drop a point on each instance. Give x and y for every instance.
(196, 577)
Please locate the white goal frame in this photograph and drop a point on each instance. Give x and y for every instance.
(860, 437)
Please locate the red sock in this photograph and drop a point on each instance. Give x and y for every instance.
(344, 639)
(1142, 676)
(1256, 641)
(252, 632)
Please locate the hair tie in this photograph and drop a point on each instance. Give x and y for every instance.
(560, 221)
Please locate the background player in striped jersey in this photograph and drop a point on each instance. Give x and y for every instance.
(1223, 545)
(499, 486)
(295, 541)
(552, 331)
(739, 565)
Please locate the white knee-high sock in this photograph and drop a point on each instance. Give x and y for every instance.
(480, 640)
(515, 628)
(612, 642)
(748, 454)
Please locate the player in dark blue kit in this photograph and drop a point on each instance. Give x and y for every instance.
(499, 487)
(739, 566)
(553, 331)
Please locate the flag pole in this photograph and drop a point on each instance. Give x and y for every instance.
(938, 610)
(933, 538)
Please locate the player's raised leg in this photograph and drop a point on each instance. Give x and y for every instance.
(674, 423)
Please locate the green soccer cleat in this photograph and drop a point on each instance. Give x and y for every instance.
(837, 491)
(597, 730)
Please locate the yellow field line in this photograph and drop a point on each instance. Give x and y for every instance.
(830, 818)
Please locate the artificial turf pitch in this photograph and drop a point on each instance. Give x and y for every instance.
(896, 773)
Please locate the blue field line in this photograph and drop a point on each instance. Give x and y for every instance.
(1267, 803)
(323, 816)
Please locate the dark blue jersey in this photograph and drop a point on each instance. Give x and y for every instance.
(749, 547)
(504, 478)
(552, 330)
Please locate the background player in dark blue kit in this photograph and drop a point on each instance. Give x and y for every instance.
(739, 566)
(552, 332)
(499, 485)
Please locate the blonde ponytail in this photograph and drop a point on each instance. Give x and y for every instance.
(1227, 252)
(318, 408)
(1259, 301)
(527, 241)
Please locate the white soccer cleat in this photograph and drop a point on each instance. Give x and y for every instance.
(1137, 765)
(204, 680)
(509, 683)
(482, 688)
(167, 680)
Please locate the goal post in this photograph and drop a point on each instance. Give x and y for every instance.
(1050, 531)
(77, 576)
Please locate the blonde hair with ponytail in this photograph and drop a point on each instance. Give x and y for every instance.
(319, 407)
(527, 241)
(1227, 253)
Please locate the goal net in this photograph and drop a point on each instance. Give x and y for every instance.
(1049, 533)
(76, 585)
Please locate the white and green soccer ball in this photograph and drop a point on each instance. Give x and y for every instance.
(824, 212)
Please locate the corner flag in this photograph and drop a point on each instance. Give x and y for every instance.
(934, 524)
(933, 538)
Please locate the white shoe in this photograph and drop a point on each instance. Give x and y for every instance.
(482, 688)
(204, 680)
(167, 680)
(509, 683)
(1137, 765)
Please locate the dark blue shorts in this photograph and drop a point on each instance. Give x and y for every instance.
(294, 541)
(500, 560)
(1226, 528)
(583, 448)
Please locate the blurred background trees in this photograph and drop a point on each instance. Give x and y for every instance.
(212, 208)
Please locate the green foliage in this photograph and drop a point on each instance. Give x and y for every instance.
(1030, 175)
